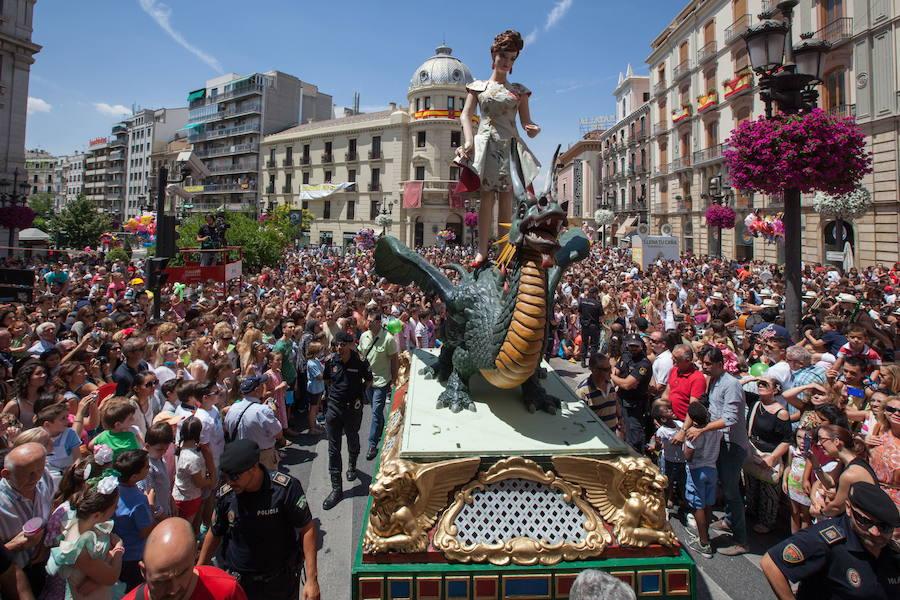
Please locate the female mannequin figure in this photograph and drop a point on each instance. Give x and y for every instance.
(489, 148)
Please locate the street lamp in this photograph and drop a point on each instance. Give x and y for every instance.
(13, 198)
(470, 208)
(787, 78)
(385, 212)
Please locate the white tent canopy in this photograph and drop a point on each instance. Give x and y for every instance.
(33, 234)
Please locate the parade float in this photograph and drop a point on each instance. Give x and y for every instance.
(493, 479)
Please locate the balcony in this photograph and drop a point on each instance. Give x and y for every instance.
(116, 169)
(117, 155)
(683, 69)
(741, 82)
(327, 158)
(270, 189)
(375, 154)
(707, 100)
(661, 170)
(288, 162)
(375, 186)
(836, 32)
(255, 88)
(683, 206)
(707, 52)
(640, 136)
(659, 87)
(304, 161)
(235, 149)
(225, 132)
(271, 164)
(227, 187)
(240, 167)
(207, 116)
(710, 154)
(351, 157)
(843, 110)
(680, 114)
(117, 142)
(680, 164)
(734, 31)
(286, 189)
(660, 128)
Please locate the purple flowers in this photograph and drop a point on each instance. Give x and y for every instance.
(471, 219)
(720, 216)
(16, 217)
(810, 152)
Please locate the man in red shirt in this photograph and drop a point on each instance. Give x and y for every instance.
(686, 382)
(169, 570)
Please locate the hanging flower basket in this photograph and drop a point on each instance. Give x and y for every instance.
(720, 216)
(471, 219)
(446, 235)
(365, 239)
(771, 229)
(809, 152)
(16, 217)
(383, 221)
(846, 207)
(603, 217)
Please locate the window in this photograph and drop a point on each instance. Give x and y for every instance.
(306, 152)
(427, 103)
(288, 183)
(327, 147)
(351, 210)
(454, 173)
(327, 176)
(420, 173)
(351, 175)
(304, 204)
(420, 139)
(834, 89)
(352, 146)
(289, 156)
(306, 178)
(741, 59)
(373, 210)
(683, 52)
(326, 209)
(376, 176)
(455, 139)
(451, 103)
(418, 104)
(376, 145)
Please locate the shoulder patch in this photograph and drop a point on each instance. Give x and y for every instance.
(224, 490)
(281, 479)
(642, 370)
(832, 535)
(792, 555)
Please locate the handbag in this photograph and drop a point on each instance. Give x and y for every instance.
(754, 465)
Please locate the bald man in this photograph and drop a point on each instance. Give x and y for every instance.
(26, 492)
(169, 570)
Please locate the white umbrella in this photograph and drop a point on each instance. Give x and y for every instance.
(848, 257)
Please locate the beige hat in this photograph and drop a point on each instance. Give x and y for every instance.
(844, 297)
(770, 303)
(810, 295)
(717, 296)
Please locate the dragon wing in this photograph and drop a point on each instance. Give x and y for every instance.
(398, 264)
(435, 481)
(601, 482)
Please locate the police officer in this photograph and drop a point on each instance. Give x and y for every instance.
(347, 376)
(250, 418)
(632, 375)
(850, 556)
(590, 312)
(261, 519)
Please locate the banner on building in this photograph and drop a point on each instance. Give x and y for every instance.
(412, 194)
(646, 250)
(323, 190)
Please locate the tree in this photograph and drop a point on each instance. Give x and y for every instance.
(42, 204)
(77, 225)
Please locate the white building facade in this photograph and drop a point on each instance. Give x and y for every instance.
(16, 57)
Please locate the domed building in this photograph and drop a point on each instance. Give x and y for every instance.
(394, 162)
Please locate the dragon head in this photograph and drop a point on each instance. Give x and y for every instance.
(537, 220)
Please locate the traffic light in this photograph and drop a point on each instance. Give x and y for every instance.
(156, 273)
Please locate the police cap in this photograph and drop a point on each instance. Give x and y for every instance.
(239, 456)
(342, 337)
(633, 339)
(872, 500)
(248, 384)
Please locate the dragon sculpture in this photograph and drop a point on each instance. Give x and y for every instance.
(497, 318)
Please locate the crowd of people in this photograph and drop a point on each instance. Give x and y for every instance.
(119, 430)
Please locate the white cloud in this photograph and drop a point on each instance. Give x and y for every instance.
(36, 105)
(112, 110)
(161, 13)
(559, 10)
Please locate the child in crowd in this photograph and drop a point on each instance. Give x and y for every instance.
(191, 473)
(856, 346)
(792, 484)
(169, 395)
(65, 440)
(158, 485)
(701, 454)
(672, 454)
(117, 414)
(278, 387)
(89, 556)
(133, 520)
(315, 384)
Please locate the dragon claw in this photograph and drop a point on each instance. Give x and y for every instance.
(456, 395)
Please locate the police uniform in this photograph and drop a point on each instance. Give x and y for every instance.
(260, 545)
(590, 312)
(346, 389)
(634, 401)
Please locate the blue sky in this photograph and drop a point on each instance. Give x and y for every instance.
(100, 57)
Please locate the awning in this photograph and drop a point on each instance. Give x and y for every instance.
(626, 227)
(192, 126)
(197, 95)
(323, 190)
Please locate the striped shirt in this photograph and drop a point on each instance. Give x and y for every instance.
(602, 402)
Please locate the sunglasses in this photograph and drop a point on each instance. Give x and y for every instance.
(889, 410)
(867, 523)
(151, 383)
(764, 384)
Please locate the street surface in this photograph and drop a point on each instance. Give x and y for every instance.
(721, 577)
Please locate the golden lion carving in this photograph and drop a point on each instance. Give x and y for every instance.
(628, 492)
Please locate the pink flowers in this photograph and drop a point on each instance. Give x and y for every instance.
(16, 217)
(720, 216)
(471, 219)
(809, 152)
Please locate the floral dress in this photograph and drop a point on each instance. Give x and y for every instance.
(96, 542)
(795, 477)
(885, 459)
(498, 104)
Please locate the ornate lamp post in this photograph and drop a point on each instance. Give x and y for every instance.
(384, 216)
(13, 198)
(787, 78)
(471, 221)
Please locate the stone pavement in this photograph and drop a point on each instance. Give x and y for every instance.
(721, 577)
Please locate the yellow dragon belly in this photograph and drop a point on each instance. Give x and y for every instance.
(520, 352)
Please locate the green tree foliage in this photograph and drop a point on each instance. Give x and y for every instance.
(264, 242)
(117, 254)
(42, 204)
(77, 225)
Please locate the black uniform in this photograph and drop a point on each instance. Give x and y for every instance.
(346, 390)
(634, 402)
(830, 561)
(590, 312)
(260, 542)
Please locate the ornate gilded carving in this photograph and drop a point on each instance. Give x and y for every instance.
(628, 492)
(520, 550)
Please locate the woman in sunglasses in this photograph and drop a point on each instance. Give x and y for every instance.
(838, 443)
(145, 385)
(884, 456)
